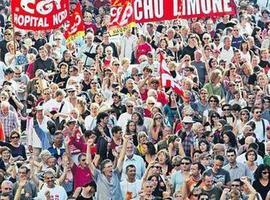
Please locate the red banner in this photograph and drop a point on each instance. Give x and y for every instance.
(39, 14)
(142, 11)
(76, 26)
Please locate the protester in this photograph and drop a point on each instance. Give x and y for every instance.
(175, 109)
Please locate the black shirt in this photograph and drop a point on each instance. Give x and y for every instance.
(189, 51)
(45, 65)
(3, 49)
(58, 79)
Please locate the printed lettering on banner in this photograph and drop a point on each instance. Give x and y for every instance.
(39, 14)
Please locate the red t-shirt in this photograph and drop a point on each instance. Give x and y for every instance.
(81, 176)
(142, 49)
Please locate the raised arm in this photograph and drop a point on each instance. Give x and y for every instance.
(122, 153)
(89, 160)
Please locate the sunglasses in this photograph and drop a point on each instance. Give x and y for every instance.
(235, 185)
(226, 109)
(265, 172)
(185, 163)
(213, 101)
(83, 160)
(14, 137)
(130, 106)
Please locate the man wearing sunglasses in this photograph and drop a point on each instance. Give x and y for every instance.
(261, 124)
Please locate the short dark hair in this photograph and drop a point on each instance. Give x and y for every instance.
(255, 108)
(200, 166)
(101, 116)
(130, 166)
(80, 156)
(115, 129)
(186, 158)
(219, 157)
(231, 150)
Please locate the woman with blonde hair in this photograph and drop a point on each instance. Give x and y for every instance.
(156, 128)
(214, 87)
(10, 57)
(263, 82)
(164, 161)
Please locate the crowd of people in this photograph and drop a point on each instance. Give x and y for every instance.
(90, 119)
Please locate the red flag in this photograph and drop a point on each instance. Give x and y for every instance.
(39, 14)
(167, 79)
(76, 26)
(122, 16)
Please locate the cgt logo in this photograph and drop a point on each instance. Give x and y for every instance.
(42, 7)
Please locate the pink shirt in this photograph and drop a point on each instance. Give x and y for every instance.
(81, 176)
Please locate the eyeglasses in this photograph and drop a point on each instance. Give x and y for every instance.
(226, 109)
(206, 38)
(258, 112)
(158, 167)
(217, 40)
(93, 83)
(235, 185)
(71, 91)
(196, 195)
(265, 172)
(116, 64)
(14, 137)
(213, 100)
(8, 188)
(185, 163)
(83, 160)
(151, 103)
(130, 106)
(187, 60)
(7, 33)
(57, 39)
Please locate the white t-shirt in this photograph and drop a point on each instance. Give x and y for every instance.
(259, 132)
(242, 159)
(135, 188)
(53, 105)
(56, 193)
